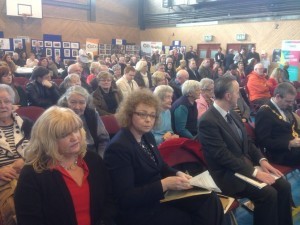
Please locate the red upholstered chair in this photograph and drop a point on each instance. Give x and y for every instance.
(58, 81)
(31, 112)
(110, 124)
(21, 81)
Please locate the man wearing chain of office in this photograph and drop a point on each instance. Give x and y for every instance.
(277, 127)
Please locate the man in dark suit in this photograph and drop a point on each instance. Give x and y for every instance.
(277, 129)
(193, 72)
(253, 54)
(181, 77)
(229, 59)
(228, 150)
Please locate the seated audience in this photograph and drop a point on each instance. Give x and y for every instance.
(77, 68)
(277, 128)
(163, 130)
(52, 67)
(140, 177)
(241, 74)
(16, 58)
(184, 110)
(15, 133)
(170, 70)
(142, 76)
(59, 63)
(12, 66)
(7, 78)
(69, 81)
(126, 83)
(206, 96)
(31, 61)
(106, 97)
(259, 91)
(62, 183)
(41, 91)
(79, 100)
(275, 78)
(95, 69)
(228, 150)
(250, 67)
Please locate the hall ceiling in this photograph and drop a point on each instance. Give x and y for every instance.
(222, 11)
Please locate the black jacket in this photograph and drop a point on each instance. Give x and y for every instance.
(44, 199)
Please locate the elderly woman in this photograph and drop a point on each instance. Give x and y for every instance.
(159, 78)
(107, 97)
(276, 77)
(184, 110)
(142, 76)
(69, 81)
(12, 66)
(117, 72)
(79, 100)
(206, 96)
(140, 176)
(163, 130)
(7, 78)
(62, 183)
(41, 91)
(14, 137)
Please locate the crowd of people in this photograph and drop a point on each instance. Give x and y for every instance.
(74, 173)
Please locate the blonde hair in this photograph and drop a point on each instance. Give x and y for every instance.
(55, 123)
(157, 77)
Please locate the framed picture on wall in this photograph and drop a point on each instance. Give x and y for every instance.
(33, 42)
(48, 44)
(74, 45)
(41, 44)
(74, 52)
(67, 53)
(48, 51)
(9, 52)
(16, 41)
(57, 52)
(56, 44)
(66, 45)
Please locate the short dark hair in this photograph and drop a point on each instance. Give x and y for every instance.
(284, 89)
(39, 71)
(222, 86)
(233, 66)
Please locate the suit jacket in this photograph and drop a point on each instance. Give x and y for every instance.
(226, 153)
(135, 176)
(272, 132)
(44, 199)
(194, 75)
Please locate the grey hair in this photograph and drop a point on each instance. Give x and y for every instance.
(63, 101)
(9, 90)
(68, 79)
(284, 89)
(189, 87)
(161, 91)
(205, 83)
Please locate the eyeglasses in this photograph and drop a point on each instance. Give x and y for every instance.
(144, 115)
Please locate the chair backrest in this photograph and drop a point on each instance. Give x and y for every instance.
(31, 112)
(111, 124)
(21, 81)
(250, 131)
(58, 81)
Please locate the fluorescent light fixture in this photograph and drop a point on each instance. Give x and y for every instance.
(197, 24)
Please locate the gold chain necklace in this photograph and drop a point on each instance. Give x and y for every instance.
(294, 132)
(71, 167)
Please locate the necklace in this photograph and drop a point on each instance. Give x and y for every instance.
(71, 167)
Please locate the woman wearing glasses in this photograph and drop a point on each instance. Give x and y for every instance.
(140, 176)
(206, 96)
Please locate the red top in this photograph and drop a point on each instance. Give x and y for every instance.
(80, 194)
